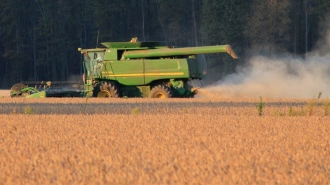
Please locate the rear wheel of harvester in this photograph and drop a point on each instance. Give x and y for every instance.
(106, 90)
(160, 91)
(15, 91)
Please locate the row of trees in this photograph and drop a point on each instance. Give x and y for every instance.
(39, 38)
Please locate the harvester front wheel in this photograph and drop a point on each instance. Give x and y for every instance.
(15, 91)
(106, 90)
(160, 91)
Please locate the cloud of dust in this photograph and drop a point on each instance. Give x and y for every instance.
(276, 77)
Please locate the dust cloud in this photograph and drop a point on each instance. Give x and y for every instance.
(276, 77)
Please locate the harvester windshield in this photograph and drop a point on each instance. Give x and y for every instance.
(93, 62)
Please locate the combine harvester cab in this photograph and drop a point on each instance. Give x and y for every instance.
(145, 69)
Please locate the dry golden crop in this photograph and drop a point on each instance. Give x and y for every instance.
(190, 141)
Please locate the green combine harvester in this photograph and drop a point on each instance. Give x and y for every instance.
(131, 69)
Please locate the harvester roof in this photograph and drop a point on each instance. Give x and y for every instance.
(133, 45)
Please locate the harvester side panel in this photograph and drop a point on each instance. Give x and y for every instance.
(142, 72)
(197, 67)
(165, 69)
(128, 72)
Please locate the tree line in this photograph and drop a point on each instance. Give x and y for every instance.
(39, 38)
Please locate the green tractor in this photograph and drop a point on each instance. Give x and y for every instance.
(145, 69)
(140, 69)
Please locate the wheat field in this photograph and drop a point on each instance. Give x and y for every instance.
(4, 93)
(177, 141)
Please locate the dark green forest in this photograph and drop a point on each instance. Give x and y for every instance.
(39, 38)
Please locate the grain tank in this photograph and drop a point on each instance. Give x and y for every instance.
(145, 69)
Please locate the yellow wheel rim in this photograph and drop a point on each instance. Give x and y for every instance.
(160, 95)
(104, 94)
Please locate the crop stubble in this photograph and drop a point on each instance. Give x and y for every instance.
(146, 106)
(165, 148)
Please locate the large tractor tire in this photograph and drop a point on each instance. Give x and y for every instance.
(160, 91)
(15, 91)
(106, 90)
